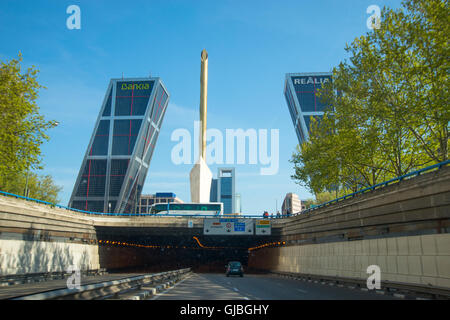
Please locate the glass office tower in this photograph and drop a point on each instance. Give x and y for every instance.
(213, 191)
(226, 189)
(300, 93)
(115, 165)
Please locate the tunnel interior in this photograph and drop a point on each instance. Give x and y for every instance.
(162, 249)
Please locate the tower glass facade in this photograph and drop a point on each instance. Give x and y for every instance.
(226, 189)
(300, 92)
(115, 165)
(213, 192)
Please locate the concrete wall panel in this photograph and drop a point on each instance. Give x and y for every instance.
(409, 259)
(22, 257)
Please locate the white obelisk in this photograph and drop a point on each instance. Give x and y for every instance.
(201, 176)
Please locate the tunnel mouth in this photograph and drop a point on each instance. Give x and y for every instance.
(148, 250)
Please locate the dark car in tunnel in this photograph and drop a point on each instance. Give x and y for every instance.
(234, 268)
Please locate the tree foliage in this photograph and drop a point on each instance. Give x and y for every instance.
(390, 104)
(22, 130)
(38, 187)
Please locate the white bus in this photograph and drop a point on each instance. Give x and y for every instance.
(213, 208)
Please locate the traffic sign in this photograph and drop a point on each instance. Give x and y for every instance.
(234, 226)
(263, 227)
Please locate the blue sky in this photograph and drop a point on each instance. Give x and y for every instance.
(251, 46)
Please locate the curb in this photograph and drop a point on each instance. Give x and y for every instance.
(152, 291)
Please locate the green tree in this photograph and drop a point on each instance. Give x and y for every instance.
(326, 196)
(390, 104)
(22, 128)
(425, 66)
(40, 187)
(308, 202)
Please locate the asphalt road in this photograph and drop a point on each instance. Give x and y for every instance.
(209, 286)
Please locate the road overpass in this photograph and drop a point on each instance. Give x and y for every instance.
(403, 228)
(38, 238)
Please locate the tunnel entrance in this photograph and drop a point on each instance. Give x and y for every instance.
(161, 249)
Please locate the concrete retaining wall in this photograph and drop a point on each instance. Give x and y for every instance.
(421, 259)
(411, 221)
(22, 256)
(420, 205)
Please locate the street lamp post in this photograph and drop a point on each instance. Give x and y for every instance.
(26, 182)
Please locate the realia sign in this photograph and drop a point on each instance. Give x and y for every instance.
(310, 80)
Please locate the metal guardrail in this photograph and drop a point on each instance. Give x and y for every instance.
(377, 186)
(14, 279)
(53, 205)
(98, 290)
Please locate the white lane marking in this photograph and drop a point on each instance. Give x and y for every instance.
(165, 291)
(237, 290)
(302, 291)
